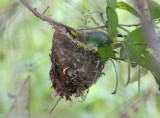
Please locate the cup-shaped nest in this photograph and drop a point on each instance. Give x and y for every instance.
(75, 67)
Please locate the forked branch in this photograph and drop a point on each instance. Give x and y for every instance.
(54, 23)
(51, 21)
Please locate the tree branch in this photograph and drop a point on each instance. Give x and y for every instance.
(54, 23)
(91, 28)
(51, 21)
(131, 25)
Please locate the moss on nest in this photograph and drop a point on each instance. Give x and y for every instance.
(75, 67)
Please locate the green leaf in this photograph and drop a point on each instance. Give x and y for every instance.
(112, 21)
(144, 62)
(129, 74)
(112, 3)
(138, 38)
(130, 50)
(156, 79)
(123, 53)
(154, 9)
(73, 4)
(99, 39)
(140, 54)
(105, 52)
(114, 92)
(125, 6)
(136, 44)
(86, 3)
(129, 61)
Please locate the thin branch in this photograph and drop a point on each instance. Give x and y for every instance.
(114, 92)
(120, 59)
(94, 20)
(51, 21)
(46, 10)
(55, 105)
(91, 28)
(54, 23)
(99, 27)
(132, 25)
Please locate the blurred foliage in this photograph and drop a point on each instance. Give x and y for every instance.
(25, 43)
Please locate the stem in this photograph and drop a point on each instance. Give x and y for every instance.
(129, 64)
(131, 25)
(55, 105)
(46, 10)
(116, 58)
(55, 23)
(92, 28)
(94, 20)
(51, 21)
(139, 75)
(104, 26)
(114, 92)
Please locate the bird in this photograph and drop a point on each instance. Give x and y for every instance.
(95, 37)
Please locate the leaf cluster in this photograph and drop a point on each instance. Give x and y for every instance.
(134, 47)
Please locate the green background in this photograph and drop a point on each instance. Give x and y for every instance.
(25, 43)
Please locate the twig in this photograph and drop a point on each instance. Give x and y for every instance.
(46, 10)
(54, 23)
(99, 27)
(131, 25)
(55, 105)
(94, 20)
(104, 26)
(116, 58)
(92, 28)
(114, 92)
(51, 21)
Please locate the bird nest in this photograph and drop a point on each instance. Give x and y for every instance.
(75, 67)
